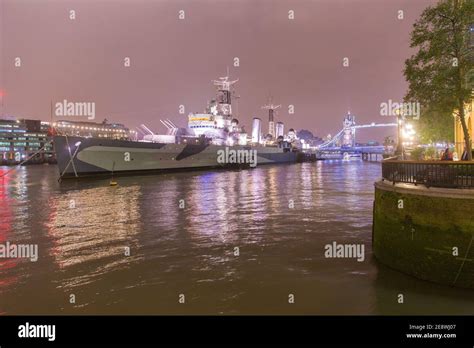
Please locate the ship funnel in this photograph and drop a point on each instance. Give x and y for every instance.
(256, 129)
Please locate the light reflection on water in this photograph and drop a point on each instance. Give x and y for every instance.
(83, 230)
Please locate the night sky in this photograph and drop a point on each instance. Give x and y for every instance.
(173, 61)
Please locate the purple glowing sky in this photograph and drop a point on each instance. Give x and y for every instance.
(173, 61)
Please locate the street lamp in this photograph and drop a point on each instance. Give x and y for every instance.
(400, 150)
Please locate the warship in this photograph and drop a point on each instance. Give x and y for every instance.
(212, 139)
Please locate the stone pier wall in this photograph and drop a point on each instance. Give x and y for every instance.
(425, 232)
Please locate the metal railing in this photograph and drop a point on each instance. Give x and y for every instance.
(448, 174)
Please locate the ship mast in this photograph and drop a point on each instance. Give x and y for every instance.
(224, 103)
(271, 123)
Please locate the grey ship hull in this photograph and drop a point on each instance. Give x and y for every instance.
(82, 157)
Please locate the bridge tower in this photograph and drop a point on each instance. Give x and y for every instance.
(348, 136)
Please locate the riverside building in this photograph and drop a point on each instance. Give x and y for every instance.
(115, 131)
(22, 138)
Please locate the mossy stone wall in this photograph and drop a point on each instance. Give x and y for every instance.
(425, 235)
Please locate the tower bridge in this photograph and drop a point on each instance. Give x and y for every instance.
(344, 142)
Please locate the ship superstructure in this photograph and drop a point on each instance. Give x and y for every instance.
(217, 122)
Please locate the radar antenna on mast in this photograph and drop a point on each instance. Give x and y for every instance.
(223, 83)
(224, 95)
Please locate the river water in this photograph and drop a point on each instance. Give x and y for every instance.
(207, 242)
